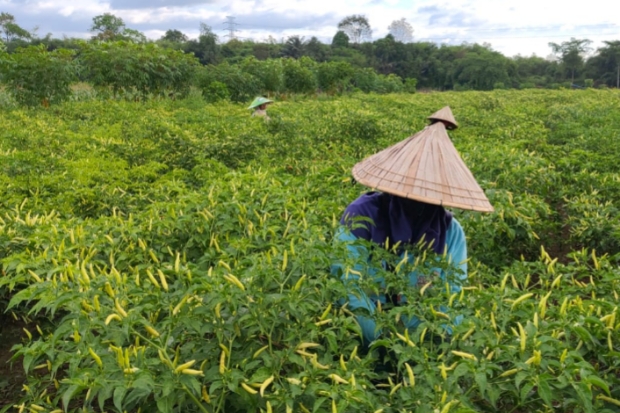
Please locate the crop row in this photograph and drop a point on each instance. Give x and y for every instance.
(173, 256)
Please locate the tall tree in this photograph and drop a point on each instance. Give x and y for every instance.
(293, 47)
(205, 48)
(357, 27)
(11, 30)
(316, 50)
(481, 69)
(269, 48)
(605, 66)
(401, 30)
(387, 54)
(572, 54)
(174, 36)
(133, 36)
(532, 69)
(107, 27)
(340, 39)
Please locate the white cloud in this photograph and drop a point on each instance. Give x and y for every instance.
(524, 26)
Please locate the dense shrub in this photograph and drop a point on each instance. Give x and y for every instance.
(241, 86)
(298, 78)
(334, 76)
(36, 77)
(269, 73)
(174, 256)
(365, 79)
(144, 69)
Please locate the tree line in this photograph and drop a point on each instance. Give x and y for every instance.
(394, 62)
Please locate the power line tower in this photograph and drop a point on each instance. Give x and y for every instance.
(231, 26)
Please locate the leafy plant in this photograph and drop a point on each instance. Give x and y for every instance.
(175, 256)
(37, 77)
(125, 67)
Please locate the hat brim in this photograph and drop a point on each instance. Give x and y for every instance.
(255, 105)
(425, 167)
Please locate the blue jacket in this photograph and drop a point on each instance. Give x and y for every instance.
(456, 248)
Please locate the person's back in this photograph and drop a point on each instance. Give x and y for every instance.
(417, 177)
(260, 112)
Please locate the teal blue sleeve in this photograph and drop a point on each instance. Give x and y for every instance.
(456, 249)
(357, 298)
(456, 253)
(456, 246)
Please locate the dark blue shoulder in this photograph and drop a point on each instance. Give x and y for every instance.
(366, 205)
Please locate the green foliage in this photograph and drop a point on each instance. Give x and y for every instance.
(571, 54)
(388, 84)
(480, 71)
(269, 73)
(205, 48)
(365, 79)
(241, 86)
(410, 85)
(297, 77)
(127, 68)
(149, 236)
(36, 77)
(334, 76)
(109, 27)
(294, 47)
(216, 91)
(11, 30)
(340, 39)
(604, 66)
(174, 36)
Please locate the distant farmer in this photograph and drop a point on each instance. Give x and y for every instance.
(260, 106)
(414, 180)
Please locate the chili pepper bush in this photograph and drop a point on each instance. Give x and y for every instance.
(174, 256)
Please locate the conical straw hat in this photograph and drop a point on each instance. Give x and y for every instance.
(259, 101)
(425, 167)
(446, 115)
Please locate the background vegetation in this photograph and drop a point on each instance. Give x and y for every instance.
(351, 62)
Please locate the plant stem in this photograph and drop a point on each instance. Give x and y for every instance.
(195, 400)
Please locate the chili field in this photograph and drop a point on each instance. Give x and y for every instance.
(175, 256)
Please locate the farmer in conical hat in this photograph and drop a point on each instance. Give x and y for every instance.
(260, 106)
(412, 182)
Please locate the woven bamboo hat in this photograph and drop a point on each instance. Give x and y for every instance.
(445, 114)
(425, 167)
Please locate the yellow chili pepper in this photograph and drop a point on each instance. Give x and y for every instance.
(235, 281)
(112, 317)
(336, 378)
(259, 351)
(464, 355)
(521, 299)
(120, 309)
(162, 278)
(266, 384)
(184, 366)
(411, 375)
(152, 278)
(95, 357)
(509, 373)
(192, 372)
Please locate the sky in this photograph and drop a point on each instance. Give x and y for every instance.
(511, 27)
